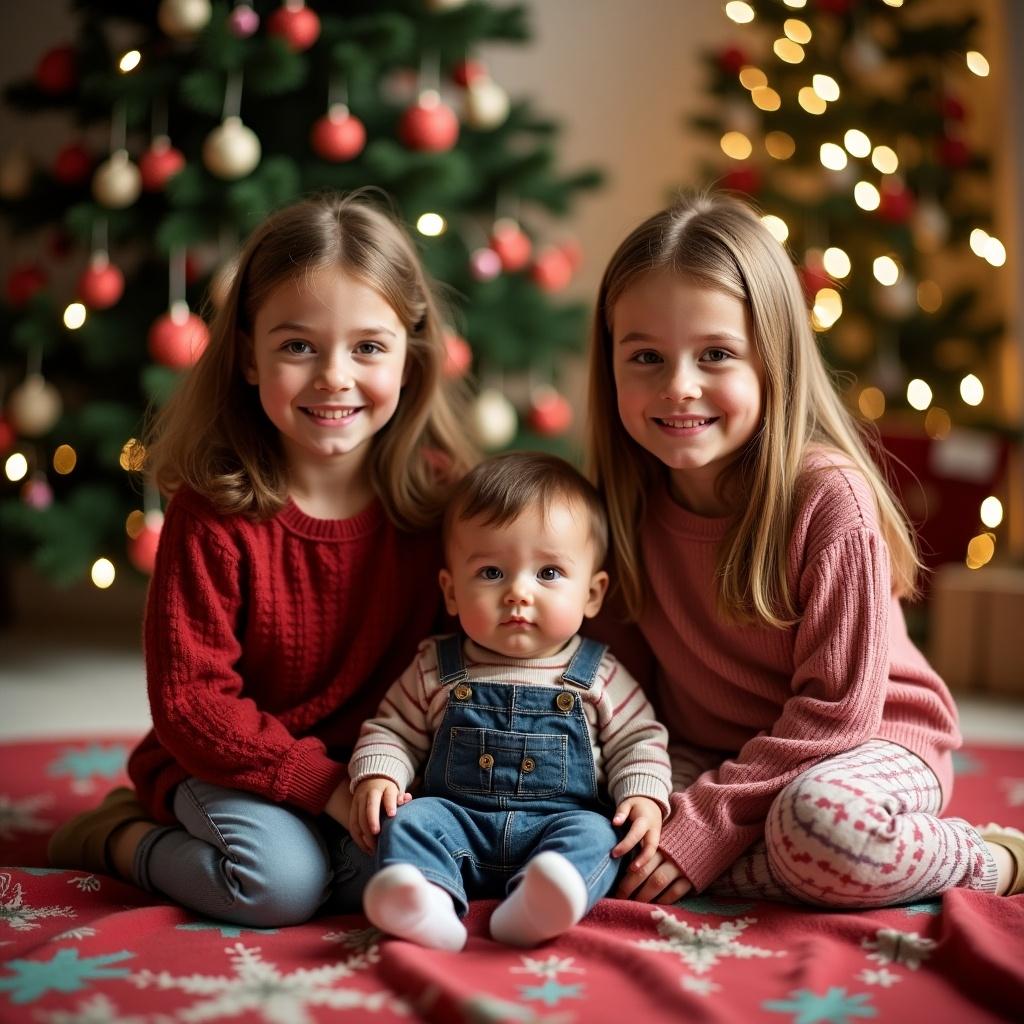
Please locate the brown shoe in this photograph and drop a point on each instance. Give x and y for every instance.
(1012, 840)
(82, 841)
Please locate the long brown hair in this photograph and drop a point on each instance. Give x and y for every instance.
(720, 243)
(213, 436)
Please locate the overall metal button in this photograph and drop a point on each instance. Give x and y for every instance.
(528, 764)
(486, 761)
(463, 692)
(565, 701)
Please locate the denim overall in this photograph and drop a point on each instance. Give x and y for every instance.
(511, 773)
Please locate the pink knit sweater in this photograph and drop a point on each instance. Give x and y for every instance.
(776, 701)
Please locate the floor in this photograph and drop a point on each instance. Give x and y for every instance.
(91, 680)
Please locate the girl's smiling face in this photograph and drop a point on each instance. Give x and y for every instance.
(689, 380)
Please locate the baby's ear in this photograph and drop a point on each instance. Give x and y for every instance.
(444, 577)
(595, 595)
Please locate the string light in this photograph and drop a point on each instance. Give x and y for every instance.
(795, 4)
(102, 573)
(872, 403)
(977, 63)
(64, 459)
(788, 51)
(129, 61)
(431, 225)
(857, 143)
(991, 511)
(752, 78)
(736, 145)
(777, 226)
(980, 550)
(972, 391)
(929, 296)
(74, 316)
(919, 394)
(886, 270)
(885, 159)
(995, 251)
(828, 307)
(740, 12)
(796, 30)
(866, 196)
(16, 467)
(832, 156)
(135, 523)
(836, 262)
(811, 101)
(780, 145)
(893, 3)
(765, 98)
(826, 87)
(937, 423)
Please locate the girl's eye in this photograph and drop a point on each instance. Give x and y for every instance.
(297, 348)
(550, 573)
(368, 348)
(490, 572)
(717, 355)
(645, 358)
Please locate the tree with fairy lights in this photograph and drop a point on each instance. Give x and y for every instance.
(194, 119)
(846, 122)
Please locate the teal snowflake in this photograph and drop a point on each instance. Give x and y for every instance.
(94, 760)
(33, 979)
(551, 993)
(835, 1006)
(964, 764)
(228, 931)
(709, 905)
(932, 907)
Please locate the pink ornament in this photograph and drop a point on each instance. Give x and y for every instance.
(573, 252)
(142, 549)
(159, 164)
(23, 283)
(243, 21)
(469, 70)
(37, 493)
(458, 355)
(511, 244)
(101, 284)
(177, 342)
(73, 164)
(552, 269)
(550, 413)
(484, 264)
(296, 24)
(338, 135)
(57, 71)
(429, 125)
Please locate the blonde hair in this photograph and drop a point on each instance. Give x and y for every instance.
(719, 242)
(213, 436)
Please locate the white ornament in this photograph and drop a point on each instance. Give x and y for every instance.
(896, 300)
(493, 419)
(741, 116)
(930, 226)
(486, 104)
(15, 175)
(231, 151)
(117, 182)
(863, 55)
(183, 19)
(34, 406)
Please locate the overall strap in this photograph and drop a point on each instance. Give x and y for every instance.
(582, 670)
(451, 666)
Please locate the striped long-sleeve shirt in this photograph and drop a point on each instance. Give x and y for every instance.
(629, 744)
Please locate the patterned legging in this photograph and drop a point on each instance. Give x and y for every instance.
(856, 830)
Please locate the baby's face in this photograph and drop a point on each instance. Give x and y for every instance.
(523, 589)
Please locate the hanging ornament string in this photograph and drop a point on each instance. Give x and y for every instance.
(119, 128)
(176, 274)
(231, 151)
(117, 181)
(338, 135)
(233, 96)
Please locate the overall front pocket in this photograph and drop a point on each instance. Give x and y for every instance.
(510, 764)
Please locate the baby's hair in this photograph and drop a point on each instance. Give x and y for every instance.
(500, 489)
(213, 436)
(719, 242)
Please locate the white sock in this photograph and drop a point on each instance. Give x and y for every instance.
(549, 900)
(400, 901)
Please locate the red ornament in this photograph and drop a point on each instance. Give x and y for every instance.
(7, 436)
(951, 108)
(552, 269)
(338, 135)
(73, 164)
(458, 355)
(896, 203)
(177, 343)
(57, 71)
(296, 24)
(550, 413)
(24, 282)
(512, 245)
(101, 284)
(744, 178)
(731, 59)
(159, 164)
(813, 278)
(953, 152)
(469, 70)
(429, 125)
(37, 493)
(142, 549)
(836, 7)
(484, 264)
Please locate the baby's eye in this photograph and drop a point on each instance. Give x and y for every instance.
(717, 355)
(368, 348)
(297, 348)
(550, 573)
(645, 358)
(490, 572)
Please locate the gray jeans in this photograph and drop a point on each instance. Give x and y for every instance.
(240, 858)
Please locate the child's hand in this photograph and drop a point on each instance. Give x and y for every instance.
(659, 880)
(646, 815)
(369, 796)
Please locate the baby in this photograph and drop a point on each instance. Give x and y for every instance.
(524, 727)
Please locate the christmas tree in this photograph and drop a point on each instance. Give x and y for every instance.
(847, 122)
(195, 120)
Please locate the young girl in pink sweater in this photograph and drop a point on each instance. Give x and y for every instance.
(762, 555)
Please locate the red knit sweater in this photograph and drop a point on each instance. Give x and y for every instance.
(268, 643)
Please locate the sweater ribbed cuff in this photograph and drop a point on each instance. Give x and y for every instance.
(642, 785)
(701, 853)
(380, 765)
(311, 778)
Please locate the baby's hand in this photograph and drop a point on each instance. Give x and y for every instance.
(646, 815)
(369, 796)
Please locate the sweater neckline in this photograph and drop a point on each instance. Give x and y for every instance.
(681, 521)
(366, 521)
(474, 652)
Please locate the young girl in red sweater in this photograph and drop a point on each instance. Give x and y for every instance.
(296, 574)
(762, 556)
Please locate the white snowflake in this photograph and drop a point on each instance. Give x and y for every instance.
(85, 932)
(699, 986)
(261, 988)
(549, 968)
(893, 947)
(1014, 791)
(701, 948)
(18, 914)
(97, 1010)
(87, 883)
(20, 815)
(883, 976)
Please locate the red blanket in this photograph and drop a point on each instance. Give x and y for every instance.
(85, 948)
